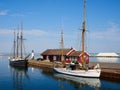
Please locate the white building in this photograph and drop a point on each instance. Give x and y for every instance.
(107, 55)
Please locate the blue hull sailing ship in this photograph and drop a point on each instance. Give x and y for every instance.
(84, 71)
(18, 58)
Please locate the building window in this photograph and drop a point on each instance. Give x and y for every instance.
(75, 58)
(54, 58)
(47, 57)
(72, 58)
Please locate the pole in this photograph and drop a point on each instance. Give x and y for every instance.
(83, 34)
(21, 39)
(62, 45)
(14, 44)
(17, 44)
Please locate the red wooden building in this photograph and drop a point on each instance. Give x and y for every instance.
(71, 54)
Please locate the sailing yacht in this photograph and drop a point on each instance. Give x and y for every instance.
(18, 59)
(85, 71)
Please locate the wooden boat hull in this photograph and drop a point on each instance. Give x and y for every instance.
(92, 73)
(18, 62)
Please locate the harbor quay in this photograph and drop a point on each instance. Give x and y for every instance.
(109, 71)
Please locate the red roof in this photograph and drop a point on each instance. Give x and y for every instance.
(55, 51)
(75, 53)
(67, 52)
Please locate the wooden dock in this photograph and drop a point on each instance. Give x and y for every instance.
(110, 71)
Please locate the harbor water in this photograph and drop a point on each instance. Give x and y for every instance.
(14, 78)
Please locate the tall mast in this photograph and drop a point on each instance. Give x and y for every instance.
(62, 44)
(17, 44)
(14, 44)
(21, 41)
(83, 33)
(84, 28)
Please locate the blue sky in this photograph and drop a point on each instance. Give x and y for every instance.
(43, 20)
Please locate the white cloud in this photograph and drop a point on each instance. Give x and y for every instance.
(3, 12)
(105, 40)
(34, 32)
(5, 31)
(33, 38)
(111, 33)
(17, 14)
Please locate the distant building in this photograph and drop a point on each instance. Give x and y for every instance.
(59, 54)
(107, 55)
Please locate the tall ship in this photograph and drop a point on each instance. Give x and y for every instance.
(18, 58)
(81, 67)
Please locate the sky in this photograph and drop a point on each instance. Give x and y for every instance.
(43, 21)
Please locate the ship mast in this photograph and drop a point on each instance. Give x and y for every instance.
(17, 43)
(62, 44)
(21, 41)
(83, 33)
(14, 44)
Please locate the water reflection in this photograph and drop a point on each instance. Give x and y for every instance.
(13, 78)
(18, 75)
(76, 82)
(92, 82)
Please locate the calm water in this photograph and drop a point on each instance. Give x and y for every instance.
(12, 78)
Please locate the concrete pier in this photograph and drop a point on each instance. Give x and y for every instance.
(36, 63)
(110, 71)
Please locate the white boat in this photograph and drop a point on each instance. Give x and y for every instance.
(92, 73)
(84, 71)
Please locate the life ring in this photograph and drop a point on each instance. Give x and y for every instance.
(85, 58)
